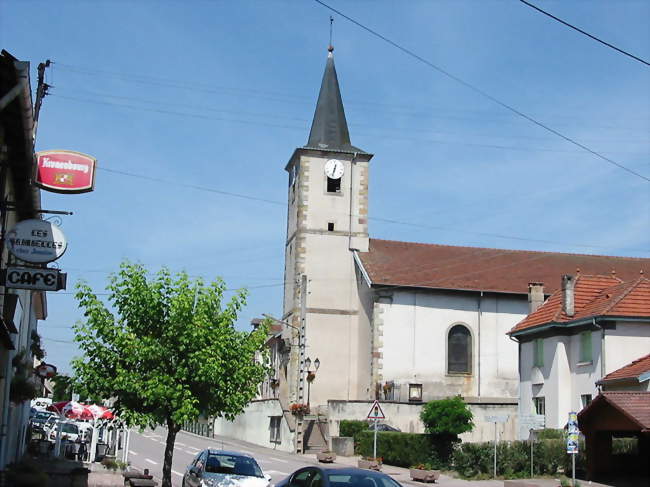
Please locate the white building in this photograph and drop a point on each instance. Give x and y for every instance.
(591, 327)
(399, 321)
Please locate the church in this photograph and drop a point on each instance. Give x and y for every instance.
(401, 322)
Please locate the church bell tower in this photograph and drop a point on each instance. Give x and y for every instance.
(327, 224)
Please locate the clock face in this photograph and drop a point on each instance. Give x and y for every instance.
(334, 169)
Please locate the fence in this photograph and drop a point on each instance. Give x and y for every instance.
(201, 429)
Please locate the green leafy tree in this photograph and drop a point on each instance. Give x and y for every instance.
(167, 351)
(449, 416)
(62, 390)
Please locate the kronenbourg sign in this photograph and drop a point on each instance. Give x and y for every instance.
(64, 171)
(36, 241)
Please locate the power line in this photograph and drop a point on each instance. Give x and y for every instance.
(585, 33)
(483, 93)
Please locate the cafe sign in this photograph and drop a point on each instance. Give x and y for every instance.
(34, 278)
(63, 171)
(36, 241)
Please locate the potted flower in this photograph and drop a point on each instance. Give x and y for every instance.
(299, 409)
(326, 456)
(424, 472)
(370, 463)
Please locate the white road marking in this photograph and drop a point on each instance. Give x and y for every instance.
(132, 452)
(192, 448)
(190, 452)
(180, 444)
(276, 471)
(150, 461)
(279, 460)
(177, 473)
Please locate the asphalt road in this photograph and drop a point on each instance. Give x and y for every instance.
(146, 450)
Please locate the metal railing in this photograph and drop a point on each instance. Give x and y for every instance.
(201, 429)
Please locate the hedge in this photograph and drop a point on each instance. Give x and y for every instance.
(353, 428)
(407, 449)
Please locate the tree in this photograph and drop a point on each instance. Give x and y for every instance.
(449, 416)
(167, 350)
(62, 390)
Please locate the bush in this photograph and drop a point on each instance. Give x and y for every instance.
(447, 416)
(353, 428)
(476, 460)
(406, 449)
(550, 434)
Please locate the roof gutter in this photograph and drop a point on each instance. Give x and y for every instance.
(573, 324)
(362, 269)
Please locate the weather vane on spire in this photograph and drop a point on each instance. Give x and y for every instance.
(330, 48)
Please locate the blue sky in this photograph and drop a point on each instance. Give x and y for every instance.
(218, 94)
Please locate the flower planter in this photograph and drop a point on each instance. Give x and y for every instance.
(370, 464)
(326, 456)
(422, 475)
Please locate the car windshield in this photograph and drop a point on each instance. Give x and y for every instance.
(233, 465)
(361, 480)
(42, 415)
(70, 428)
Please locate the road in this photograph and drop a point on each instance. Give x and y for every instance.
(146, 450)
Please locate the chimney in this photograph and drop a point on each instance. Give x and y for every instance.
(535, 295)
(568, 294)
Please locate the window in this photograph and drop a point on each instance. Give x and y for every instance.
(585, 347)
(330, 226)
(538, 352)
(539, 404)
(459, 350)
(300, 478)
(333, 185)
(274, 427)
(585, 399)
(415, 392)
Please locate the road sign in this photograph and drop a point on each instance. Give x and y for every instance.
(376, 412)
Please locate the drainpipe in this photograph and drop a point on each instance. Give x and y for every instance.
(352, 162)
(478, 365)
(602, 347)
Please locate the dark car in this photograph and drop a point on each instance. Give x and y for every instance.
(40, 418)
(337, 477)
(383, 427)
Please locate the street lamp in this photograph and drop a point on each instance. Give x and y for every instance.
(311, 375)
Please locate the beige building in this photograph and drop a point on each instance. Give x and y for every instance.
(401, 322)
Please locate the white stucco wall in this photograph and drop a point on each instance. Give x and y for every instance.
(563, 379)
(406, 417)
(253, 425)
(415, 328)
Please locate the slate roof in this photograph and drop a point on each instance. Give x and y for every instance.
(634, 370)
(594, 296)
(419, 265)
(634, 405)
(329, 129)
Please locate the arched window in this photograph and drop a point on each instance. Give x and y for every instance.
(459, 350)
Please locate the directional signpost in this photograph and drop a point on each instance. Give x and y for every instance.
(376, 414)
(495, 420)
(572, 442)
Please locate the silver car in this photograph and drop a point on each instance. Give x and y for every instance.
(221, 468)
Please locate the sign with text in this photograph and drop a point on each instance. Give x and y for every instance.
(375, 412)
(36, 241)
(63, 171)
(35, 279)
(572, 433)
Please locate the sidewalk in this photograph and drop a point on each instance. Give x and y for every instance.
(403, 477)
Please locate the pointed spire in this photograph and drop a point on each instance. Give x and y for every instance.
(329, 129)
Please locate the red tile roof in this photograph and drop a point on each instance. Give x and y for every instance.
(408, 264)
(634, 405)
(594, 296)
(630, 371)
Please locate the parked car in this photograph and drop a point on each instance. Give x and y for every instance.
(69, 431)
(40, 418)
(220, 468)
(337, 477)
(383, 427)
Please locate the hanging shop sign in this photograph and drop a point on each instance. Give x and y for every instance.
(46, 371)
(33, 278)
(64, 171)
(36, 241)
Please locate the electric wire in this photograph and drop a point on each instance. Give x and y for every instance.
(483, 93)
(585, 33)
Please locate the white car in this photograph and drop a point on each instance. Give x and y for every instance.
(220, 468)
(69, 431)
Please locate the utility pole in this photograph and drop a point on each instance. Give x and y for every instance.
(41, 92)
(300, 447)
